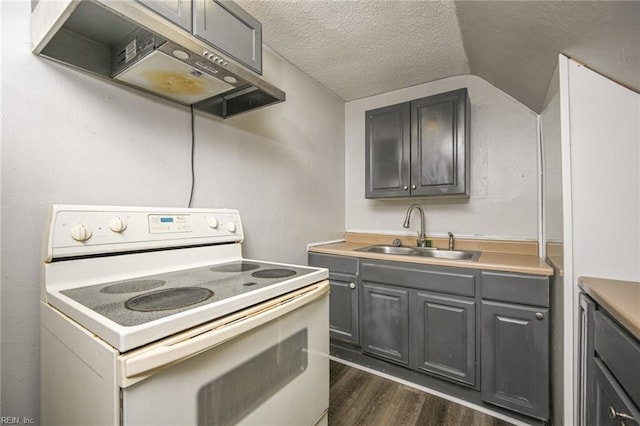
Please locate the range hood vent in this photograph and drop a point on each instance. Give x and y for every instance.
(128, 43)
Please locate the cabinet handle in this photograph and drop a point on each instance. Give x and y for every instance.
(539, 315)
(406, 188)
(413, 187)
(352, 285)
(613, 414)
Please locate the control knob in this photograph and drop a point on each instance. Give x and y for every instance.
(231, 226)
(213, 222)
(80, 232)
(117, 224)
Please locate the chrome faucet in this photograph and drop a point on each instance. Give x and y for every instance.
(450, 240)
(422, 238)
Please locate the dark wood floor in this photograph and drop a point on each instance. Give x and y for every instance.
(361, 398)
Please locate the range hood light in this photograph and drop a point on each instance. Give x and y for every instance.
(180, 54)
(231, 80)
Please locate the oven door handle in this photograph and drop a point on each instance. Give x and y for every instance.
(142, 363)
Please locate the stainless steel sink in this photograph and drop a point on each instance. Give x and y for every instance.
(449, 254)
(406, 251)
(423, 252)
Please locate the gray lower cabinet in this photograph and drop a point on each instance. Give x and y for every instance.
(483, 333)
(421, 316)
(586, 372)
(343, 295)
(419, 148)
(515, 357)
(385, 322)
(343, 307)
(515, 342)
(611, 405)
(610, 387)
(444, 336)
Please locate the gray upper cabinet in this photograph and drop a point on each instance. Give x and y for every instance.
(419, 148)
(387, 151)
(177, 11)
(229, 28)
(439, 140)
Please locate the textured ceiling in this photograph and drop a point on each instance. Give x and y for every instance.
(359, 48)
(515, 45)
(349, 47)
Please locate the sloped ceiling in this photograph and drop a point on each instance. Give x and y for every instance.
(359, 48)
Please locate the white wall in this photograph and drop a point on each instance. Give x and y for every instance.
(551, 140)
(550, 122)
(593, 207)
(71, 138)
(602, 233)
(504, 181)
(604, 120)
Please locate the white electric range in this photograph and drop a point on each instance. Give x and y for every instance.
(152, 316)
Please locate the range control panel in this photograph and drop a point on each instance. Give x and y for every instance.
(88, 230)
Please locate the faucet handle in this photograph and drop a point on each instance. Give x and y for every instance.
(421, 241)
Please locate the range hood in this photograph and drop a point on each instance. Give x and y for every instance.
(128, 43)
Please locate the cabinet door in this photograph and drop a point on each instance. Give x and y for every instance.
(587, 384)
(229, 28)
(445, 336)
(611, 405)
(385, 322)
(177, 11)
(439, 140)
(387, 155)
(515, 358)
(343, 307)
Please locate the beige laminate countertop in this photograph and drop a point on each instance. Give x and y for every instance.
(526, 263)
(620, 298)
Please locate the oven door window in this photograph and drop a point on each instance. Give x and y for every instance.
(232, 396)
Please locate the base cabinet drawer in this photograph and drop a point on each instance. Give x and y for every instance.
(515, 358)
(385, 322)
(612, 406)
(619, 351)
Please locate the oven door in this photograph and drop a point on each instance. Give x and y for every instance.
(268, 367)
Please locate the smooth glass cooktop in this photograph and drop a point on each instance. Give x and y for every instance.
(138, 301)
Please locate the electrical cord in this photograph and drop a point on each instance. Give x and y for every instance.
(193, 146)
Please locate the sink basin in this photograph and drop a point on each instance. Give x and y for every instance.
(407, 251)
(423, 252)
(449, 254)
